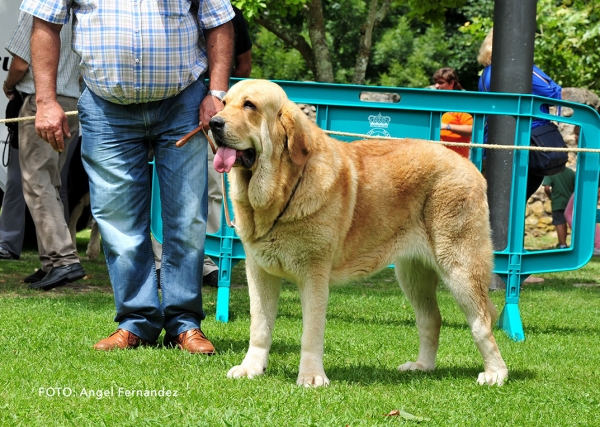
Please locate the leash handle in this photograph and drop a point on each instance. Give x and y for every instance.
(187, 137)
(184, 141)
(210, 141)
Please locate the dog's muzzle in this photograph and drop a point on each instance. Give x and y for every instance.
(226, 156)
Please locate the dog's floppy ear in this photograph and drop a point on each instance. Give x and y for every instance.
(297, 131)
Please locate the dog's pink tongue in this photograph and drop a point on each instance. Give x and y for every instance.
(224, 159)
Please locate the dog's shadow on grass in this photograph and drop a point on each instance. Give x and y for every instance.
(241, 346)
(369, 375)
(560, 330)
(365, 374)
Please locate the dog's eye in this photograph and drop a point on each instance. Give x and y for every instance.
(250, 105)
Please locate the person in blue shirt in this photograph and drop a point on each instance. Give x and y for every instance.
(541, 85)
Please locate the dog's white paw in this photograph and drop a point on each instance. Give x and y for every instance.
(241, 371)
(92, 252)
(494, 377)
(414, 366)
(312, 380)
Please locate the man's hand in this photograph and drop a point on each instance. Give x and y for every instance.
(209, 107)
(52, 126)
(10, 93)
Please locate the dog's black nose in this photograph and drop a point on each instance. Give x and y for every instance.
(216, 123)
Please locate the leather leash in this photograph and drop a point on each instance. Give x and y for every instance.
(184, 141)
(187, 137)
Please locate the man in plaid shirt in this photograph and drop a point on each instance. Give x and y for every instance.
(143, 65)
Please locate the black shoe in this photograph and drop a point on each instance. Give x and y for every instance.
(60, 276)
(6, 254)
(35, 277)
(211, 279)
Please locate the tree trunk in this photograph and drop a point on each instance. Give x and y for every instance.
(316, 33)
(377, 11)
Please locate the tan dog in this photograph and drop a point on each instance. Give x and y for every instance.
(314, 210)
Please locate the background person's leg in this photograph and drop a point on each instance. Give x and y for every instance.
(14, 208)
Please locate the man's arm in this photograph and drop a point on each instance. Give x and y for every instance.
(219, 47)
(50, 122)
(16, 71)
(462, 130)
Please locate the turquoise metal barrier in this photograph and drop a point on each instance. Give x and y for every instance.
(226, 250)
(224, 246)
(156, 222)
(417, 114)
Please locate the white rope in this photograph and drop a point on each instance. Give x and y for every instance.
(25, 119)
(472, 145)
(451, 144)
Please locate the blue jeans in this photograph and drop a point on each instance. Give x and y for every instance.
(115, 146)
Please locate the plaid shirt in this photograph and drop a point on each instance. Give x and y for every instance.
(136, 51)
(67, 80)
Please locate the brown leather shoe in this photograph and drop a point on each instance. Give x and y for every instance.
(119, 340)
(193, 341)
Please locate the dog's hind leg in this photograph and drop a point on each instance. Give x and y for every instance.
(470, 289)
(419, 284)
(264, 290)
(314, 294)
(75, 214)
(93, 249)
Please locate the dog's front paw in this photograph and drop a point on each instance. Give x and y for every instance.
(242, 371)
(414, 366)
(313, 380)
(493, 377)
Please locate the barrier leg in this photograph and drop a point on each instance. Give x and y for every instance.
(223, 290)
(510, 318)
(223, 304)
(510, 322)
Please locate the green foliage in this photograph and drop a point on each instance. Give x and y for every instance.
(282, 9)
(413, 63)
(249, 8)
(395, 44)
(566, 45)
(466, 29)
(419, 36)
(431, 11)
(343, 21)
(277, 61)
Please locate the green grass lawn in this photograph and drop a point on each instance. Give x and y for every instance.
(50, 375)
